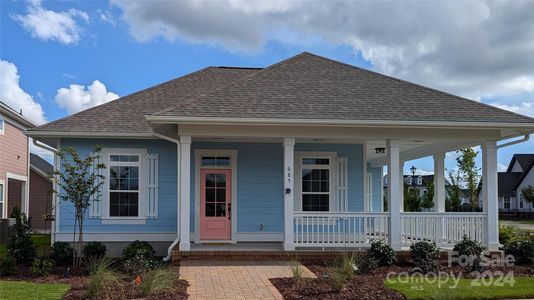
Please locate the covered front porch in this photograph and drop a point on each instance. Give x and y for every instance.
(346, 211)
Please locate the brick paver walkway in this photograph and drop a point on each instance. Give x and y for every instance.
(219, 279)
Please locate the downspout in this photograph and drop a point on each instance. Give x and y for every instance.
(54, 184)
(525, 138)
(177, 240)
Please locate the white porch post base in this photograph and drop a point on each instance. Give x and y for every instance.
(394, 193)
(491, 204)
(289, 187)
(185, 174)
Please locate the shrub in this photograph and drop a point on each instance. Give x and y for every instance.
(472, 249)
(101, 274)
(425, 256)
(62, 253)
(296, 270)
(132, 250)
(506, 234)
(522, 250)
(94, 249)
(382, 253)
(157, 281)
(42, 267)
(20, 244)
(141, 262)
(7, 266)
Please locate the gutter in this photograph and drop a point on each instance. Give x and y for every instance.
(331, 122)
(177, 240)
(54, 184)
(525, 138)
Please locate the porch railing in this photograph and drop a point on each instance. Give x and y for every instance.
(446, 229)
(357, 229)
(340, 229)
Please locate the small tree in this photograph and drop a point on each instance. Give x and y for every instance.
(470, 173)
(428, 199)
(528, 194)
(412, 200)
(454, 193)
(79, 181)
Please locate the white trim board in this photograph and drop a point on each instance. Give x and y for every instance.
(120, 237)
(198, 153)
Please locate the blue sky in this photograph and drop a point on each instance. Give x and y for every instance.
(53, 52)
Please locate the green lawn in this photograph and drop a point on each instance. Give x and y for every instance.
(523, 287)
(42, 244)
(15, 290)
(528, 222)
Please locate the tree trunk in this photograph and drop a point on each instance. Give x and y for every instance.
(74, 242)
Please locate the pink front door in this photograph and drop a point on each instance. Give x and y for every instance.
(215, 204)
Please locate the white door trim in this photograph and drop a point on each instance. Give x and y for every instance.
(233, 167)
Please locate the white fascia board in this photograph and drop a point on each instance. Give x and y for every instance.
(75, 134)
(332, 122)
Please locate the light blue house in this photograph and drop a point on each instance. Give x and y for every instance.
(290, 156)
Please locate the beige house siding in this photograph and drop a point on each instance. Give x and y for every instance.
(14, 149)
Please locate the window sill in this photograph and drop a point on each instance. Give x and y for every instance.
(126, 221)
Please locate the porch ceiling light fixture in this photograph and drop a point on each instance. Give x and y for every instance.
(380, 150)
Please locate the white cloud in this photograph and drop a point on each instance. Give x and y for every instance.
(50, 25)
(13, 95)
(524, 108)
(472, 48)
(78, 97)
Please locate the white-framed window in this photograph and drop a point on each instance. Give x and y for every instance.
(419, 180)
(507, 202)
(2, 199)
(316, 181)
(2, 125)
(125, 190)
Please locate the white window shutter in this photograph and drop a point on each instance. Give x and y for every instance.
(342, 184)
(95, 210)
(152, 184)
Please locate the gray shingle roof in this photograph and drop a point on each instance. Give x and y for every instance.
(37, 162)
(126, 114)
(308, 86)
(305, 86)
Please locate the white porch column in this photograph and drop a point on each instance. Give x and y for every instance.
(439, 182)
(289, 188)
(489, 152)
(185, 193)
(394, 193)
(401, 178)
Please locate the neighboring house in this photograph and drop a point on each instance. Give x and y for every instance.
(14, 164)
(417, 182)
(291, 154)
(41, 191)
(520, 173)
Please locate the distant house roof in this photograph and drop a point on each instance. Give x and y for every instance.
(506, 182)
(303, 87)
(40, 164)
(17, 116)
(523, 160)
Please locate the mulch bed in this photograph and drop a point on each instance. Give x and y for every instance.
(366, 286)
(79, 282)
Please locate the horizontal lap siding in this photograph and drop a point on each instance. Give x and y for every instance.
(14, 151)
(260, 181)
(166, 221)
(259, 185)
(40, 201)
(354, 154)
(376, 174)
